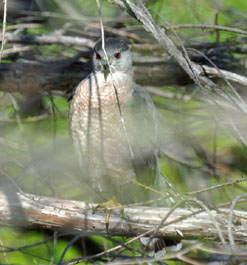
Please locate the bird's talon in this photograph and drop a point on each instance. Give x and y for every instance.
(109, 204)
(107, 207)
(107, 219)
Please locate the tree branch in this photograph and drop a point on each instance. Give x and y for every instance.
(41, 76)
(206, 26)
(37, 77)
(58, 214)
(70, 41)
(213, 72)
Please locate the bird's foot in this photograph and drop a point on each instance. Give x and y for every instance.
(107, 206)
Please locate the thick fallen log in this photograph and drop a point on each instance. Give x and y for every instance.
(37, 77)
(58, 214)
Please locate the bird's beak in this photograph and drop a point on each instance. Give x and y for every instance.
(105, 65)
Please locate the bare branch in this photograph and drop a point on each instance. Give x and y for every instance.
(49, 39)
(236, 78)
(206, 26)
(33, 77)
(216, 186)
(60, 214)
(39, 77)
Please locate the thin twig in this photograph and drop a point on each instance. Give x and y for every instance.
(242, 252)
(142, 260)
(216, 187)
(189, 260)
(223, 241)
(206, 26)
(4, 27)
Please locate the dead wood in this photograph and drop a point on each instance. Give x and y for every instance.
(37, 77)
(59, 214)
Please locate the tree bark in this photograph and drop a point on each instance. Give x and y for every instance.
(37, 77)
(59, 214)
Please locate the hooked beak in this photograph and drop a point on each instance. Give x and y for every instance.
(105, 65)
(106, 68)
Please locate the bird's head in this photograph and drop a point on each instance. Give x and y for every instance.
(115, 57)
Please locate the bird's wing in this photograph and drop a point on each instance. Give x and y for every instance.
(145, 141)
(146, 144)
(72, 99)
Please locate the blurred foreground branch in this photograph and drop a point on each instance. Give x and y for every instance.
(58, 214)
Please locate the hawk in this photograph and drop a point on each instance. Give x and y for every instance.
(113, 123)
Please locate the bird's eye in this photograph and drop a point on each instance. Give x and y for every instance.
(118, 55)
(98, 56)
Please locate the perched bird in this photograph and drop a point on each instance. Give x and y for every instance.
(113, 123)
